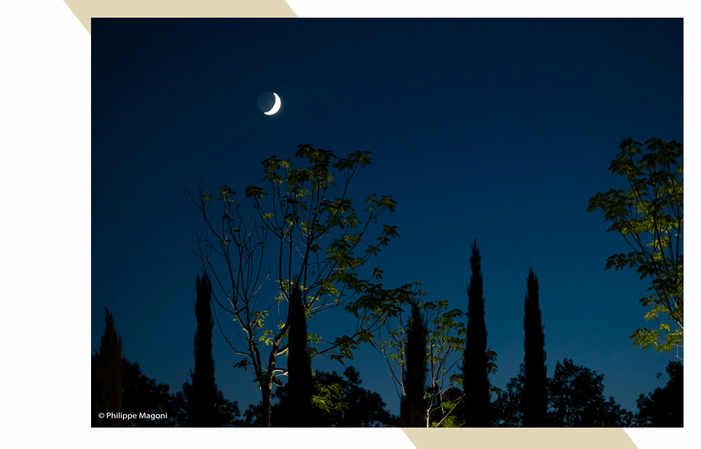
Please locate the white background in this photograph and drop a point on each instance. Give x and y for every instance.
(45, 222)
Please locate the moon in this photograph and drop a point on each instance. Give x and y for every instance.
(276, 106)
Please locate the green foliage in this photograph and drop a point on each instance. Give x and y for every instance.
(304, 214)
(492, 369)
(649, 216)
(339, 401)
(444, 344)
(328, 397)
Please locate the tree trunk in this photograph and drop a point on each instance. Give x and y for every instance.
(266, 391)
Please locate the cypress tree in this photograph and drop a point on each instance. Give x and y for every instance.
(107, 375)
(535, 399)
(203, 411)
(475, 360)
(300, 383)
(412, 406)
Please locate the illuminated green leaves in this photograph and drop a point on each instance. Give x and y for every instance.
(445, 343)
(650, 218)
(267, 337)
(319, 239)
(258, 319)
(328, 397)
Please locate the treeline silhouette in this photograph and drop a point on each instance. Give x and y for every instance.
(350, 406)
(572, 397)
(120, 390)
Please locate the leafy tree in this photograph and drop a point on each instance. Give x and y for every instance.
(412, 413)
(649, 216)
(445, 342)
(476, 358)
(225, 413)
(338, 402)
(300, 382)
(295, 216)
(508, 408)
(107, 376)
(143, 395)
(577, 399)
(204, 389)
(665, 406)
(535, 395)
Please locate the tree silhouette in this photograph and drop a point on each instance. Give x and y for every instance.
(339, 402)
(107, 376)
(203, 396)
(476, 359)
(296, 218)
(412, 405)
(225, 412)
(141, 394)
(665, 406)
(650, 217)
(300, 382)
(535, 396)
(577, 399)
(508, 408)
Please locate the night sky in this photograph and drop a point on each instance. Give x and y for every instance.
(495, 130)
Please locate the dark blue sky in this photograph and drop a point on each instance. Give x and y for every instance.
(495, 130)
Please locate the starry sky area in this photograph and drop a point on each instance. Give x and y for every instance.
(498, 130)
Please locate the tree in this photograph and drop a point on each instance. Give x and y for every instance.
(224, 415)
(535, 395)
(508, 408)
(141, 394)
(445, 343)
(412, 408)
(476, 359)
(649, 216)
(338, 402)
(577, 399)
(204, 389)
(298, 216)
(107, 376)
(665, 406)
(300, 382)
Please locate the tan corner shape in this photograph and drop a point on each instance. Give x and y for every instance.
(84, 10)
(520, 438)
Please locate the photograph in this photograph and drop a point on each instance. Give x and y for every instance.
(387, 222)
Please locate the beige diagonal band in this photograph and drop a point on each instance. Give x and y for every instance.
(520, 438)
(84, 10)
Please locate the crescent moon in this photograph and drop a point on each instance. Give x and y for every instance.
(276, 106)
